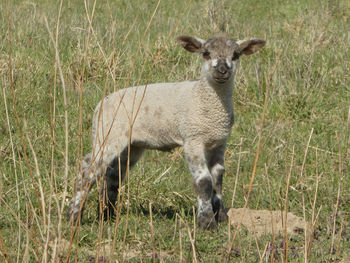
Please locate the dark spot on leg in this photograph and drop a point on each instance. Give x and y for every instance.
(204, 188)
(195, 160)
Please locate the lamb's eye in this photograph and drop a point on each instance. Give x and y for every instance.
(206, 54)
(235, 56)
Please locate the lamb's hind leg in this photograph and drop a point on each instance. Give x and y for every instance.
(217, 170)
(115, 174)
(85, 180)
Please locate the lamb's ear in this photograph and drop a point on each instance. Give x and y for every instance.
(250, 46)
(192, 44)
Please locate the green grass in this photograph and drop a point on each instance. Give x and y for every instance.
(302, 74)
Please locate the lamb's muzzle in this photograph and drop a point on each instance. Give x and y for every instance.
(197, 115)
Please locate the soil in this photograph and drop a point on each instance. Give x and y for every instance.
(262, 222)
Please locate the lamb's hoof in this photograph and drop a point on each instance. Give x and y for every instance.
(222, 215)
(218, 209)
(207, 222)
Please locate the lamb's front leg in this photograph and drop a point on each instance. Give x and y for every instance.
(217, 170)
(203, 184)
(85, 180)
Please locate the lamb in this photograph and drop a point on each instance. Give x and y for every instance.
(197, 115)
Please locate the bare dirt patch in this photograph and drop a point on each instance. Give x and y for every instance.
(261, 222)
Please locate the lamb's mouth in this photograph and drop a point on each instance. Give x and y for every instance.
(221, 80)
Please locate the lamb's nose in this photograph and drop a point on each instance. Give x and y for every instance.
(222, 69)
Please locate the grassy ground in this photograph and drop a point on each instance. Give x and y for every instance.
(292, 106)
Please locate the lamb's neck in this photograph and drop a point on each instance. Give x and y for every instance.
(215, 93)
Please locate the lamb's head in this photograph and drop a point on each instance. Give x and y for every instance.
(220, 55)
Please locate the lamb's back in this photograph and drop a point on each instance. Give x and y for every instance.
(152, 111)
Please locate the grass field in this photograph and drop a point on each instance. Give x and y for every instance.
(289, 147)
